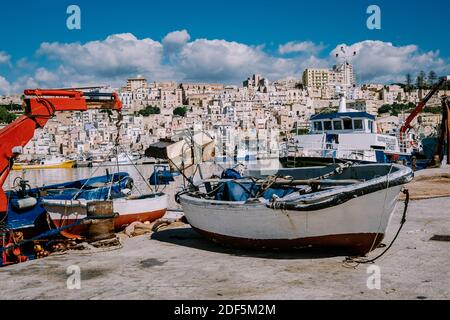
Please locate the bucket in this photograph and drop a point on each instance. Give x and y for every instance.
(100, 228)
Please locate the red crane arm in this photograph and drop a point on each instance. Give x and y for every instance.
(40, 106)
(418, 109)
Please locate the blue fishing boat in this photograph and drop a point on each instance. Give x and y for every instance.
(25, 210)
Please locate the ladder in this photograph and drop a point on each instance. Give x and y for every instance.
(292, 152)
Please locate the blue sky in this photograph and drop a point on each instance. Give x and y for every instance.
(411, 31)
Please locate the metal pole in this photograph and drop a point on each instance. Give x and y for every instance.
(447, 113)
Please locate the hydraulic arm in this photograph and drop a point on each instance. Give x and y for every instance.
(40, 106)
(418, 109)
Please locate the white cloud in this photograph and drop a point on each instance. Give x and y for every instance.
(175, 40)
(4, 58)
(231, 62)
(23, 63)
(5, 86)
(44, 76)
(114, 58)
(219, 60)
(123, 55)
(178, 58)
(307, 47)
(379, 61)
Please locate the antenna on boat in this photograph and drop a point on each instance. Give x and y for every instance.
(342, 100)
(344, 56)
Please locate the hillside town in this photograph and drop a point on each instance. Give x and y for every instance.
(259, 110)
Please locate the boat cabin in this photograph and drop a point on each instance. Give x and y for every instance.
(343, 122)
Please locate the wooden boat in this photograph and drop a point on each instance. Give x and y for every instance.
(189, 150)
(27, 214)
(142, 208)
(52, 163)
(333, 206)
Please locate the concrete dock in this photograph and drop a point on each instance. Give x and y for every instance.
(179, 264)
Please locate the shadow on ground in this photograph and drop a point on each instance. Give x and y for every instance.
(187, 237)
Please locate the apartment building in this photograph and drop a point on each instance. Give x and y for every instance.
(316, 77)
(136, 83)
(340, 75)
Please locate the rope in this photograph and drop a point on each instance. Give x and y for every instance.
(349, 260)
(138, 171)
(87, 180)
(118, 149)
(116, 143)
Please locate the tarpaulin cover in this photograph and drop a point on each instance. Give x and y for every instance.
(242, 191)
(162, 177)
(231, 174)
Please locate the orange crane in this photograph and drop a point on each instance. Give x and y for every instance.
(40, 106)
(419, 108)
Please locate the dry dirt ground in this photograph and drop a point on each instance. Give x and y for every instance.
(179, 264)
(430, 183)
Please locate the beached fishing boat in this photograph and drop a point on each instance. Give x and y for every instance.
(142, 208)
(346, 206)
(25, 210)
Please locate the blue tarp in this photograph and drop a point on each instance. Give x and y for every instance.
(162, 177)
(242, 191)
(230, 174)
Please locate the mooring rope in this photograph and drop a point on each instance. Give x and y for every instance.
(349, 261)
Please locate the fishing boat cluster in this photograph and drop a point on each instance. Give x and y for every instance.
(37, 218)
(321, 206)
(342, 198)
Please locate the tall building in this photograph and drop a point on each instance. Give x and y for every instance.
(340, 75)
(346, 71)
(136, 83)
(316, 77)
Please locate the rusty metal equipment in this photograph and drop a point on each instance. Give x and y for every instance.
(101, 220)
(443, 147)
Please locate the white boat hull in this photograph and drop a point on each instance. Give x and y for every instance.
(65, 212)
(359, 223)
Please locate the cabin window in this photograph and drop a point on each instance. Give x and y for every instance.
(348, 124)
(327, 125)
(371, 126)
(337, 124)
(358, 124)
(317, 126)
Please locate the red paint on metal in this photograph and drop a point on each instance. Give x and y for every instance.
(40, 106)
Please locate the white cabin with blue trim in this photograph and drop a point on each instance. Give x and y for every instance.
(343, 122)
(346, 135)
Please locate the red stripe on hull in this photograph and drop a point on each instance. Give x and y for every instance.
(120, 222)
(357, 242)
